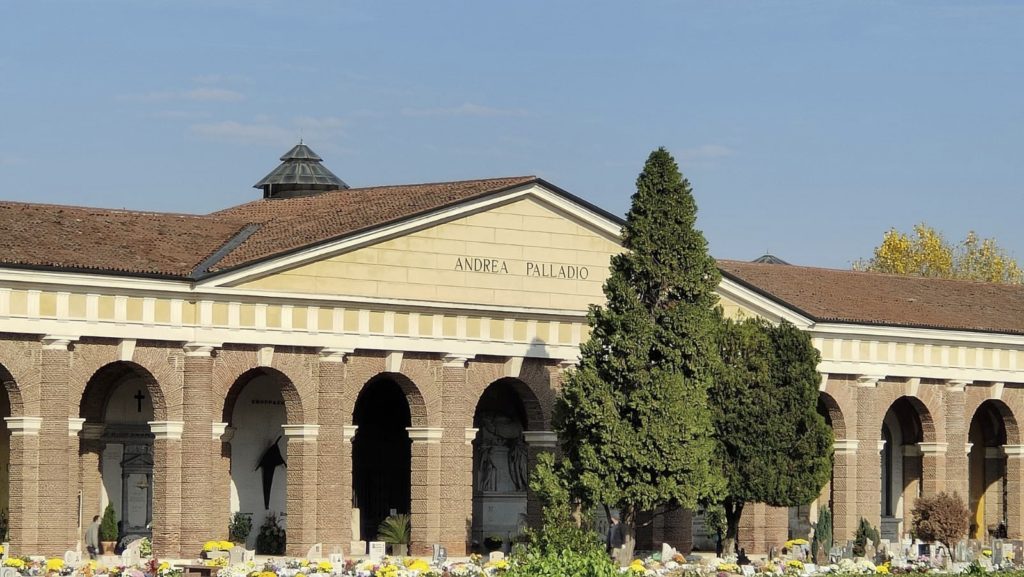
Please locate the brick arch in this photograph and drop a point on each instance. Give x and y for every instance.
(533, 415)
(926, 403)
(22, 376)
(156, 359)
(96, 393)
(289, 393)
(418, 380)
(293, 367)
(417, 406)
(1005, 413)
(922, 423)
(829, 408)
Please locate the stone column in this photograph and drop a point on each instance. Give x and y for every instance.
(23, 485)
(346, 514)
(167, 464)
(196, 489)
(334, 473)
(956, 473)
(75, 494)
(537, 442)
(456, 458)
(933, 463)
(467, 472)
(220, 478)
(425, 481)
(302, 490)
(91, 453)
(869, 433)
(56, 533)
(844, 490)
(1014, 488)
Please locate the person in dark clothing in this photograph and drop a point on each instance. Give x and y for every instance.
(615, 535)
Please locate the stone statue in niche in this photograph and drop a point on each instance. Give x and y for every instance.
(501, 454)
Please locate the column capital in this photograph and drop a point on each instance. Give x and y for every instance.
(57, 342)
(167, 430)
(541, 439)
(566, 364)
(968, 447)
(348, 432)
(455, 360)
(75, 425)
(471, 434)
(334, 354)
(199, 349)
(428, 435)
(24, 426)
(869, 381)
(221, 431)
(957, 385)
(845, 446)
(303, 432)
(932, 448)
(1013, 450)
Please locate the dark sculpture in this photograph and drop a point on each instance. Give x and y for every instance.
(269, 462)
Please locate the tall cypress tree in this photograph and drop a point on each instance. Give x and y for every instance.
(773, 446)
(633, 418)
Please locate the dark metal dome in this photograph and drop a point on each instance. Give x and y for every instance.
(300, 173)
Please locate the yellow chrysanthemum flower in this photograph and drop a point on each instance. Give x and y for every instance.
(54, 564)
(324, 567)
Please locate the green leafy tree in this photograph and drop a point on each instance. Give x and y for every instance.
(633, 418)
(927, 253)
(773, 446)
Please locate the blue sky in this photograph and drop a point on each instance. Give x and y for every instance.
(806, 128)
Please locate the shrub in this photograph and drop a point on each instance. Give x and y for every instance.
(271, 538)
(239, 527)
(592, 563)
(396, 529)
(943, 518)
(108, 525)
(865, 532)
(821, 545)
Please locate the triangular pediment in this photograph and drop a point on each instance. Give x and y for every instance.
(534, 249)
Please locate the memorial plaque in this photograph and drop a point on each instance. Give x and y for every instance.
(376, 550)
(748, 570)
(1018, 552)
(495, 556)
(440, 556)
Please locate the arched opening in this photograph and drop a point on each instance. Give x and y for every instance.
(500, 475)
(117, 403)
(381, 455)
(802, 518)
(255, 410)
(900, 459)
(987, 471)
(5, 455)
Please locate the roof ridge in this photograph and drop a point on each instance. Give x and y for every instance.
(907, 277)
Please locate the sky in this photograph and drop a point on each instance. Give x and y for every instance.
(807, 129)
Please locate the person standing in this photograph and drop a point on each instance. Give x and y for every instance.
(615, 537)
(92, 538)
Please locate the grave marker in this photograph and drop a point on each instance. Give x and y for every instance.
(377, 550)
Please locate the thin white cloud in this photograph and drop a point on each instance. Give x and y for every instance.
(207, 79)
(193, 95)
(264, 130)
(705, 152)
(468, 109)
(247, 133)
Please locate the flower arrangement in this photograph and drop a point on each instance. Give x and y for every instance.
(54, 565)
(793, 542)
(794, 567)
(211, 546)
(728, 568)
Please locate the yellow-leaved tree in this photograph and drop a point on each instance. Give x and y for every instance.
(927, 253)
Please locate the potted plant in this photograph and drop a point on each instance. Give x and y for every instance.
(239, 528)
(271, 539)
(395, 531)
(108, 530)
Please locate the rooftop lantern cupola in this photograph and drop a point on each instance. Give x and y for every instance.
(299, 174)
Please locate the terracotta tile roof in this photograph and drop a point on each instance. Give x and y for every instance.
(294, 223)
(79, 238)
(175, 245)
(827, 295)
